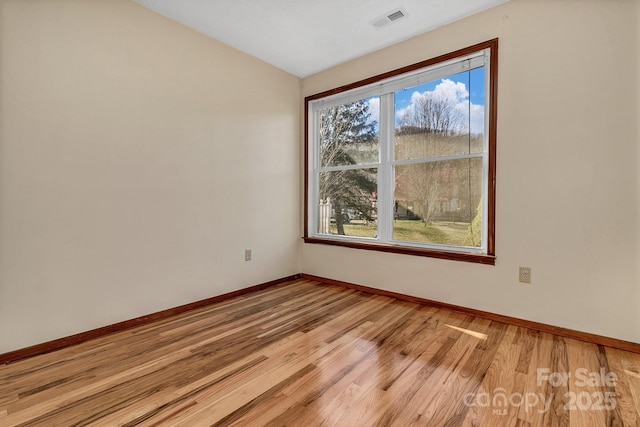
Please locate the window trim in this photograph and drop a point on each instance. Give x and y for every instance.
(489, 257)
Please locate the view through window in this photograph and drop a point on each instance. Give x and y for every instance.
(407, 162)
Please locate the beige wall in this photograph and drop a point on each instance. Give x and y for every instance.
(138, 159)
(567, 169)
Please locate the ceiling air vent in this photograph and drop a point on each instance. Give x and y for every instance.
(388, 18)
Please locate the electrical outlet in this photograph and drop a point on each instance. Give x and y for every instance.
(247, 254)
(525, 275)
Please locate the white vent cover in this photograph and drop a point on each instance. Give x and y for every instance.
(387, 18)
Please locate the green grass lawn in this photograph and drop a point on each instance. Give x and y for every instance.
(357, 229)
(413, 231)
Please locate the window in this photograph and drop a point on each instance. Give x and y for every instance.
(405, 162)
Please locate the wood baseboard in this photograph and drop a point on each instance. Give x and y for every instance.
(556, 330)
(46, 347)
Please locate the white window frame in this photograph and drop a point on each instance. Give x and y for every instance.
(384, 86)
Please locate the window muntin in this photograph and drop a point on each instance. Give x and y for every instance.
(413, 171)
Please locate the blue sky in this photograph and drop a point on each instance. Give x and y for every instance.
(454, 87)
(473, 79)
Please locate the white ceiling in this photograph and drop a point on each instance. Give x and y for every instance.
(304, 37)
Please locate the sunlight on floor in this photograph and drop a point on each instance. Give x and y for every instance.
(474, 334)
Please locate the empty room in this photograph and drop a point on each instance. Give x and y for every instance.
(282, 212)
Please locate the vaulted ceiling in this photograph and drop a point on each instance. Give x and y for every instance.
(304, 37)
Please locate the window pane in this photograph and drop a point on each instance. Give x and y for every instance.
(441, 118)
(349, 133)
(348, 202)
(439, 202)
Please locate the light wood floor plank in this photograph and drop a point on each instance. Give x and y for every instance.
(310, 354)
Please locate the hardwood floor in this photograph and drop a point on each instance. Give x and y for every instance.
(307, 354)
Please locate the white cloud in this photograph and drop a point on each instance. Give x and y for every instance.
(476, 113)
(374, 109)
(450, 91)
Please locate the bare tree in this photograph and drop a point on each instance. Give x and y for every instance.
(434, 114)
(435, 127)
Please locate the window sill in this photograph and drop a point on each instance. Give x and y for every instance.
(431, 253)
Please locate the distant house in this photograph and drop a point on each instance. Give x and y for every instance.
(437, 190)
